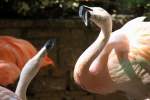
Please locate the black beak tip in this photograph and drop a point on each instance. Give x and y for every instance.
(88, 8)
(81, 11)
(50, 44)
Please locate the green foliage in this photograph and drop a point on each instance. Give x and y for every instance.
(27, 7)
(133, 4)
(69, 8)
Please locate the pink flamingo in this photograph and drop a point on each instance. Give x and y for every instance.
(14, 53)
(28, 72)
(118, 60)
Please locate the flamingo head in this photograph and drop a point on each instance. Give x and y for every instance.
(97, 15)
(48, 45)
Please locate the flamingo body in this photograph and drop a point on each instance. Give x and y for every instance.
(9, 72)
(14, 53)
(6, 94)
(132, 39)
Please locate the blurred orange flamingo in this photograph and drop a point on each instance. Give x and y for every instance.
(118, 60)
(30, 69)
(14, 53)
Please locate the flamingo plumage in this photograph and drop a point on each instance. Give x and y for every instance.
(30, 69)
(14, 53)
(115, 61)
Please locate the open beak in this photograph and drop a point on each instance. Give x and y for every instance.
(84, 13)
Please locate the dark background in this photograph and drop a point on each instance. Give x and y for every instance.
(31, 9)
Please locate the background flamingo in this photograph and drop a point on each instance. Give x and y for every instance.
(29, 71)
(14, 53)
(118, 60)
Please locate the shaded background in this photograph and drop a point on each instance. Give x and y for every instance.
(39, 20)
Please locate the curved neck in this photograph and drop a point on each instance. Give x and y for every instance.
(90, 54)
(29, 71)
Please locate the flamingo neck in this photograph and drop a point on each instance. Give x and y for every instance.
(29, 71)
(90, 54)
(101, 58)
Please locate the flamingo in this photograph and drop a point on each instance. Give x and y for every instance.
(28, 72)
(115, 61)
(14, 53)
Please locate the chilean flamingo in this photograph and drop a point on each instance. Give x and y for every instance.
(115, 61)
(28, 72)
(14, 53)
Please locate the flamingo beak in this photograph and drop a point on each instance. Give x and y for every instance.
(50, 44)
(85, 14)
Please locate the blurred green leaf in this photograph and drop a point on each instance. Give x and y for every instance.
(65, 8)
(23, 8)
